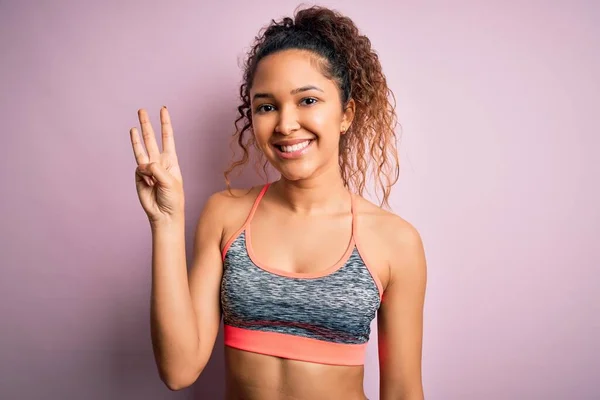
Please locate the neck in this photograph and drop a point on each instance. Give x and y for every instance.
(322, 194)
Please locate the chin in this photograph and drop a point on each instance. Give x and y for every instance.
(297, 173)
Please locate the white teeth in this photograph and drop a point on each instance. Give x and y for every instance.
(296, 147)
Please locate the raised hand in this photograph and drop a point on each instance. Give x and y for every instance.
(157, 177)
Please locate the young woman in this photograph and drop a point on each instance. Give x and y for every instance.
(298, 268)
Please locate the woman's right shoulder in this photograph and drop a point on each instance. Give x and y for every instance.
(227, 210)
(233, 197)
(229, 205)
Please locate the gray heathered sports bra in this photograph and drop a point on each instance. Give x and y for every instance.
(323, 317)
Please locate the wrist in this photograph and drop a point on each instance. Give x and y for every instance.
(167, 222)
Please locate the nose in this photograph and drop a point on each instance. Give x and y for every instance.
(288, 121)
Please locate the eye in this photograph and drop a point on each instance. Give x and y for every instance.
(263, 108)
(309, 101)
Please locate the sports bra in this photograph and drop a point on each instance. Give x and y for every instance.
(321, 317)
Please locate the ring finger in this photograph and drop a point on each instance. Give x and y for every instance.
(138, 149)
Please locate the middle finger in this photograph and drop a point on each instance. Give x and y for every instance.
(148, 135)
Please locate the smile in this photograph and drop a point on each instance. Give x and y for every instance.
(294, 151)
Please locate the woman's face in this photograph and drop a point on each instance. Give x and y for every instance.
(297, 114)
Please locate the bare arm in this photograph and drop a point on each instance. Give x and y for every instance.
(185, 312)
(186, 308)
(173, 326)
(400, 319)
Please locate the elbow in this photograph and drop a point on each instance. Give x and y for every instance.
(180, 380)
(175, 386)
(182, 373)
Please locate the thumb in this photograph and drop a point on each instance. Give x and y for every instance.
(156, 171)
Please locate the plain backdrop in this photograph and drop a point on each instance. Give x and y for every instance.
(498, 102)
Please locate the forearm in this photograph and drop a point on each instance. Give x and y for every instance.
(173, 323)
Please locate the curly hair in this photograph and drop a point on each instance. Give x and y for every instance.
(346, 57)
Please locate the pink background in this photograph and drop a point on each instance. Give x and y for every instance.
(499, 107)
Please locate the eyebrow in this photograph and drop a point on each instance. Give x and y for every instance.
(295, 91)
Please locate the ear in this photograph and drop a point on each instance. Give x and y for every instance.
(348, 116)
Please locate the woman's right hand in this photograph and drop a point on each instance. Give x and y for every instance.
(157, 177)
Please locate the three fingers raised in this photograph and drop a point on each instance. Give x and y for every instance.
(149, 151)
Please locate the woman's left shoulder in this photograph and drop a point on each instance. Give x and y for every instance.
(388, 227)
(390, 243)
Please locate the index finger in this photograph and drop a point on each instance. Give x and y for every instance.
(168, 141)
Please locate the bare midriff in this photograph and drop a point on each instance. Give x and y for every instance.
(253, 376)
